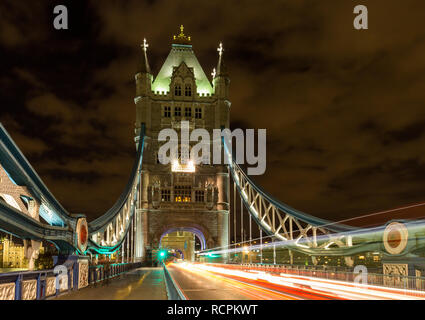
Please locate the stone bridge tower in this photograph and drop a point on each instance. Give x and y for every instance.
(180, 197)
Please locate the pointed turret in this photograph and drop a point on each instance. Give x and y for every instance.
(181, 51)
(143, 91)
(144, 74)
(221, 83)
(144, 68)
(221, 79)
(221, 67)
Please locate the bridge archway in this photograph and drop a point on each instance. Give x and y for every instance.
(198, 233)
(183, 239)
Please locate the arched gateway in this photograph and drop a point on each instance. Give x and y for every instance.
(178, 196)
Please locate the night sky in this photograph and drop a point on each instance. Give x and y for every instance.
(344, 109)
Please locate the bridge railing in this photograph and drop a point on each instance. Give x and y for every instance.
(173, 290)
(102, 272)
(39, 285)
(36, 285)
(414, 284)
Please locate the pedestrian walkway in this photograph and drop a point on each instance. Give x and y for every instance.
(139, 284)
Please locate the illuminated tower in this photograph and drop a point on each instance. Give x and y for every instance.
(181, 197)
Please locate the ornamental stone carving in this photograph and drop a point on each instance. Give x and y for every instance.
(50, 286)
(29, 289)
(83, 274)
(396, 274)
(7, 291)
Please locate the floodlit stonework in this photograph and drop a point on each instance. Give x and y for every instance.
(179, 199)
(50, 286)
(17, 196)
(29, 289)
(83, 274)
(7, 291)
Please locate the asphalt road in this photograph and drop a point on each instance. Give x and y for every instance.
(199, 285)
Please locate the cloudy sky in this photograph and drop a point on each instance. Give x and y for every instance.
(344, 109)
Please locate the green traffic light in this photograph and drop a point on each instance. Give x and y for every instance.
(162, 254)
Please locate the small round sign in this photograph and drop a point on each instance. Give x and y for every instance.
(395, 237)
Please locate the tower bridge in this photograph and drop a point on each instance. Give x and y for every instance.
(161, 202)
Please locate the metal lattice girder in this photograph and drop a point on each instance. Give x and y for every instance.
(110, 230)
(295, 229)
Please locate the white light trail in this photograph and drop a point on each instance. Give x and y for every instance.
(342, 289)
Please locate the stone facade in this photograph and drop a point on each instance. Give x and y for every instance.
(173, 198)
(83, 274)
(183, 241)
(17, 196)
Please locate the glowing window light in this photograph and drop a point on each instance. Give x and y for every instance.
(177, 167)
(182, 199)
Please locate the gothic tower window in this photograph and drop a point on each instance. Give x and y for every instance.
(198, 113)
(167, 112)
(177, 111)
(199, 196)
(188, 112)
(178, 90)
(165, 195)
(182, 193)
(188, 90)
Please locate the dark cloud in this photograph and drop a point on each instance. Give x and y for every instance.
(343, 108)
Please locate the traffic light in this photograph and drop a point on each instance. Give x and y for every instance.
(162, 254)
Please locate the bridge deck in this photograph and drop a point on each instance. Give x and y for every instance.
(208, 286)
(139, 284)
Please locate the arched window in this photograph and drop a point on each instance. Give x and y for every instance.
(188, 90)
(178, 90)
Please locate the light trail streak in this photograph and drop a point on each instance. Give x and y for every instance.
(332, 288)
(251, 291)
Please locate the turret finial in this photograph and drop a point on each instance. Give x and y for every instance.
(181, 38)
(220, 49)
(145, 44)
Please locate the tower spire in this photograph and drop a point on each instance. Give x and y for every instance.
(145, 68)
(221, 68)
(181, 38)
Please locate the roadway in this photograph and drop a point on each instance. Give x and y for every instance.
(212, 282)
(139, 284)
(197, 284)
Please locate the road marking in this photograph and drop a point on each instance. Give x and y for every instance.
(124, 293)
